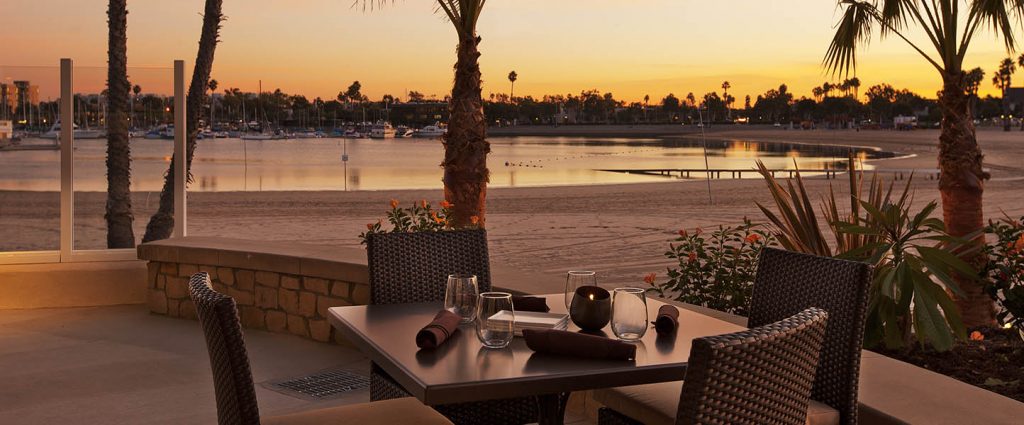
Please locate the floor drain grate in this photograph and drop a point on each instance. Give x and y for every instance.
(322, 385)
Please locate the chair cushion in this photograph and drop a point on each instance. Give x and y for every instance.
(657, 404)
(398, 411)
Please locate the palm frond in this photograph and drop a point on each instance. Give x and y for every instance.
(996, 14)
(854, 29)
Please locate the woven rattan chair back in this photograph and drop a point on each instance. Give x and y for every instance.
(758, 376)
(232, 378)
(789, 282)
(414, 267)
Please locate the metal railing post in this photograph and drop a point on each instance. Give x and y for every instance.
(67, 149)
(180, 177)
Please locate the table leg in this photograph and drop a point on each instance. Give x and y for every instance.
(552, 408)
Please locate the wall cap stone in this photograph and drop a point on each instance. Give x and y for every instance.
(322, 261)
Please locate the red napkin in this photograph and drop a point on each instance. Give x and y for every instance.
(577, 345)
(526, 303)
(667, 320)
(445, 324)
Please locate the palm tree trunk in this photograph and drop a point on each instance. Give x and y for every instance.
(162, 222)
(961, 184)
(119, 159)
(466, 146)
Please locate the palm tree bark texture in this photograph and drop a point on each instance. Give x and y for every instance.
(119, 159)
(466, 146)
(162, 222)
(962, 185)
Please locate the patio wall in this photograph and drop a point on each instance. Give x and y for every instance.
(279, 287)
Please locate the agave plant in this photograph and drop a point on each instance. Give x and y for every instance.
(914, 258)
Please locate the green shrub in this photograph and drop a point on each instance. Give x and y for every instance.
(419, 217)
(1005, 270)
(716, 269)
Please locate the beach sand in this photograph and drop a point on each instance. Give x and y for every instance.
(621, 231)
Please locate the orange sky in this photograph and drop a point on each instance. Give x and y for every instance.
(317, 47)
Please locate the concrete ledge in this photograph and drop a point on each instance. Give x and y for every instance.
(72, 284)
(326, 262)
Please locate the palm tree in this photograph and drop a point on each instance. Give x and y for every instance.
(212, 85)
(973, 83)
(962, 179)
(512, 77)
(725, 95)
(162, 222)
(1002, 80)
(817, 92)
(119, 158)
(855, 85)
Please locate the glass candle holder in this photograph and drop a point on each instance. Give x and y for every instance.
(576, 279)
(590, 308)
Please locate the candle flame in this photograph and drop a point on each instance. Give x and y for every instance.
(591, 297)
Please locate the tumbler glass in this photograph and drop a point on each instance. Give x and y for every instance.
(576, 279)
(629, 313)
(460, 296)
(495, 333)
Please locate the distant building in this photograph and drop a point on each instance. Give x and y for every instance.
(419, 113)
(1014, 101)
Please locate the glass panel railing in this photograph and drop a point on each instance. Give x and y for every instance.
(29, 159)
(151, 146)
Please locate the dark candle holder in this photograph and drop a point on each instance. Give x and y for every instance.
(591, 308)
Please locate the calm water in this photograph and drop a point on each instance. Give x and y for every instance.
(316, 164)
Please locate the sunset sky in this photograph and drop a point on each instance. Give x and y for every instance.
(318, 47)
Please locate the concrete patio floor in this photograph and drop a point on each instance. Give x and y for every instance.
(123, 365)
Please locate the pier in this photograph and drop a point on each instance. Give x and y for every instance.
(720, 173)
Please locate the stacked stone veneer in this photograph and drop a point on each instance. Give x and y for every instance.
(278, 287)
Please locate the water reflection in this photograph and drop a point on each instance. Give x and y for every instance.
(316, 164)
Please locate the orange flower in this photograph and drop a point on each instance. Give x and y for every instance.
(394, 203)
(423, 203)
(474, 219)
(369, 226)
(436, 219)
(1019, 245)
(692, 256)
(753, 238)
(649, 278)
(977, 336)
(446, 204)
(683, 233)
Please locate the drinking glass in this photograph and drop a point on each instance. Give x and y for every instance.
(495, 333)
(576, 279)
(460, 296)
(629, 313)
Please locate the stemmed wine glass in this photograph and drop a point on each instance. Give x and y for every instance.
(576, 279)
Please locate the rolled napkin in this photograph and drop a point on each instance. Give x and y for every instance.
(574, 344)
(526, 303)
(445, 324)
(667, 320)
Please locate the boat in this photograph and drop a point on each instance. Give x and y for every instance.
(382, 130)
(351, 133)
(307, 134)
(432, 131)
(54, 132)
(257, 136)
(161, 132)
(403, 131)
(16, 145)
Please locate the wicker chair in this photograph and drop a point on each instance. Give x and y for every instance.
(786, 283)
(233, 384)
(413, 268)
(758, 376)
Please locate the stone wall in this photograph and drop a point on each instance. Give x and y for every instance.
(272, 289)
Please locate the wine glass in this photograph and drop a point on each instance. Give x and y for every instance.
(576, 279)
(460, 296)
(629, 313)
(495, 333)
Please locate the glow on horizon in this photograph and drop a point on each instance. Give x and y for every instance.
(631, 49)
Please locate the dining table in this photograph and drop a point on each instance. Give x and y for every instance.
(463, 370)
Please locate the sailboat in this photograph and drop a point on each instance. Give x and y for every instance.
(263, 134)
(54, 132)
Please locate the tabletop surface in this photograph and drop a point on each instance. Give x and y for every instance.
(463, 370)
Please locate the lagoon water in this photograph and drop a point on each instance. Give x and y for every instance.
(316, 164)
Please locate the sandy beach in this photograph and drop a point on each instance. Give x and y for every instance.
(619, 230)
